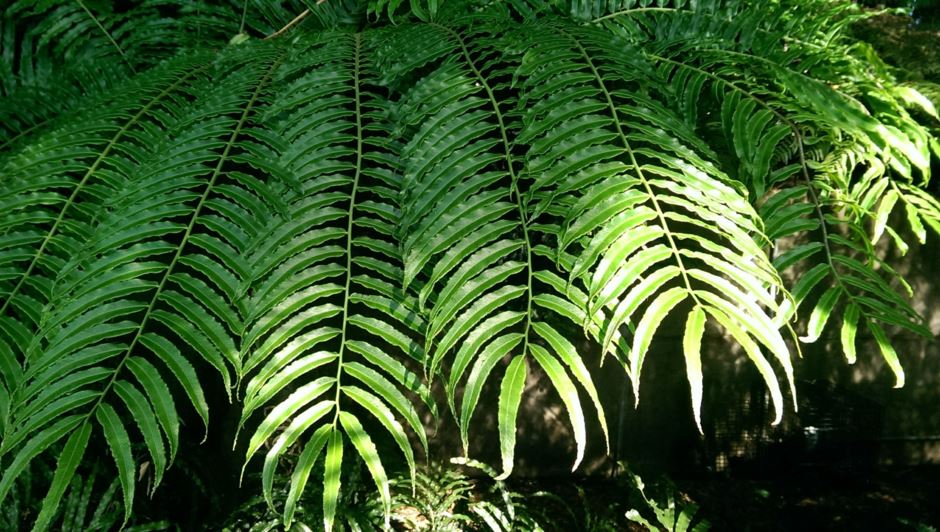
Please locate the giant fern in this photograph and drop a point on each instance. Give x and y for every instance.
(321, 269)
(335, 222)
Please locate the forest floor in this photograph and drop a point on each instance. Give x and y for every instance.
(822, 499)
(804, 499)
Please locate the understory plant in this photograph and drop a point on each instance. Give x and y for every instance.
(355, 218)
(462, 495)
(672, 514)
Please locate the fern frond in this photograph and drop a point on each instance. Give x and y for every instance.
(52, 195)
(101, 328)
(329, 274)
(825, 104)
(816, 66)
(466, 225)
(845, 259)
(629, 161)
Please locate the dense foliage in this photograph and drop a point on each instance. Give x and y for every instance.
(330, 224)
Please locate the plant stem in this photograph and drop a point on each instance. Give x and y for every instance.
(108, 35)
(514, 187)
(295, 21)
(349, 223)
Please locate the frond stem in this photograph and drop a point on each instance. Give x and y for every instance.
(636, 165)
(295, 21)
(108, 35)
(514, 178)
(637, 10)
(773, 65)
(349, 222)
(27, 131)
(241, 27)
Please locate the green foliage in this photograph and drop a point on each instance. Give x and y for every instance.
(437, 498)
(358, 508)
(671, 515)
(323, 226)
(445, 498)
(919, 527)
(84, 506)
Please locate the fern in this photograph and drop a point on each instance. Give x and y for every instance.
(330, 259)
(326, 225)
(786, 122)
(57, 52)
(630, 205)
(465, 204)
(110, 292)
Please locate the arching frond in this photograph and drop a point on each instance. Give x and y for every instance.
(334, 223)
(779, 107)
(469, 233)
(326, 316)
(125, 288)
(655, 223)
